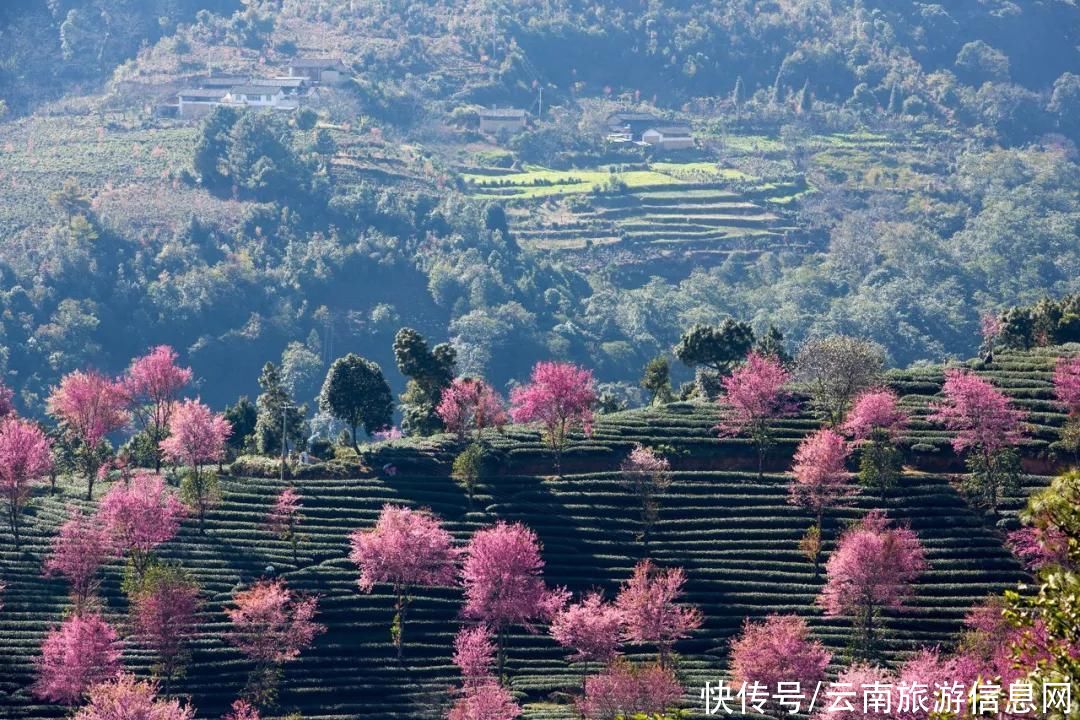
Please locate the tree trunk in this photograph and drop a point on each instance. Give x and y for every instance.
(761, 461)
(500, 641)
(91, 471)
(200, 500)
(400, 639)
(868, 632)
(14, 517)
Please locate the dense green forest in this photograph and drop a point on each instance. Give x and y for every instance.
(883, 170)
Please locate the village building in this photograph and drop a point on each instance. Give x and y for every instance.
(496, 120)
(631, 124)
(291, 86)
(325, 71)
(669, 137)
(221, 81)
(255, 95)
(197, 102)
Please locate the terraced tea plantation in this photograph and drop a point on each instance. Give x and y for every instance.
(735, 536)
(667, 207)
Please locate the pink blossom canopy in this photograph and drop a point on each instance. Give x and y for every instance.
(646, 461)
(559, 396)
(80, 653)
(778, 649)
(474, 653)
(875, 410)
(79, 550)
(753, 394)
(152, 383)
(503, 578)
(874, 563)
(24, 457)
(625, 690)
(1067, 382)
(196, 435)
(405, 548)
(470, 404)
(91, 404)
(649, 603)
(591, 628)
(271, 624)
(128, 698)
(284, 512)
(141, 515)
(979, 413)
(819, 475)
(487, 701)
(868, 683)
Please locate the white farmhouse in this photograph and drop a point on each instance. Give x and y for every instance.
(197, 102)
(496, 120)
(669, 137)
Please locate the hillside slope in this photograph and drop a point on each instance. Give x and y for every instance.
(735, 536)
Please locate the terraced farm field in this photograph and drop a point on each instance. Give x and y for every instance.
(735, 536)
(671, 207)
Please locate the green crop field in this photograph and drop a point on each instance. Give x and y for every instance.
(736, 536)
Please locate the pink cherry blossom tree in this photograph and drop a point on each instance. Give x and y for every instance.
(1067, 383)
(1067, 391)
(242, 710)
(470, 404)
(874, 422)
(993, 647)
(474, 653)
(284, 517)
(487, 701)
(819, 477)
(152, 385)
(985, 425)
(753, 398)
(140, 516)
(25, 459)
(651, 610)
(406, 549)
(990, 327)
(504, 583)
(778, 649)
(78, 551)
(91, 406)
(128, 698)
(82, 651)
(1040, 545)
(647, 474)
(875, 409)
(560, 396)
(164, 610)
(271, 625)
(873, 568)
(625, 690)
(590, 628)
(481, 695)
(931, 669)
(197, 436)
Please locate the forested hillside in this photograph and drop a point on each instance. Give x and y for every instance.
(858, 167)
